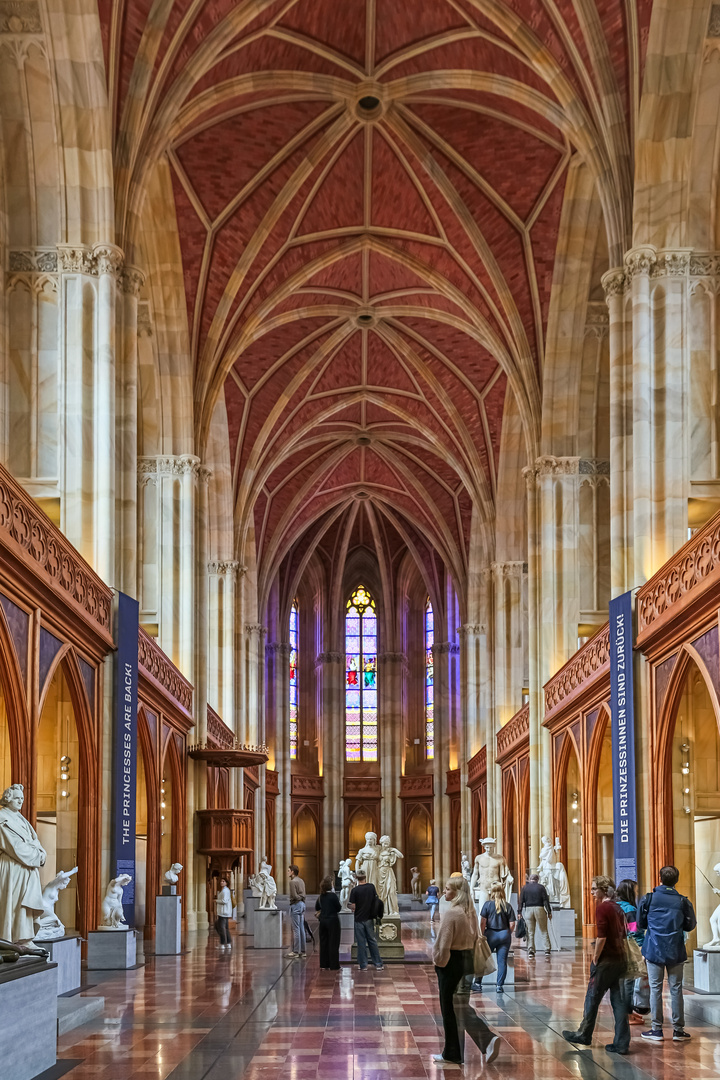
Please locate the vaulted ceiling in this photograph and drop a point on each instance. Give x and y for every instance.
(368, 196)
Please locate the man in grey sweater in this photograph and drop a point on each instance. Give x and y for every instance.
(297, 914)
(535, 906)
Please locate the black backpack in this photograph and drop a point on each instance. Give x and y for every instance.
(378, 908)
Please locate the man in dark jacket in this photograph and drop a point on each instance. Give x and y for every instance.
(534, 904)
(667, 917)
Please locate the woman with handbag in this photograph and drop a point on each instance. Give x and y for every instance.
(497, 922)
(637, 990)
(454, 957)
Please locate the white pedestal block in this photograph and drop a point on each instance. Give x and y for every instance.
(706, 967)
(28, 1019)
(111, 950)
(268, 928)
(168, 925)
(251, 903)
(347, 928)
(65, 952)
(562, 927)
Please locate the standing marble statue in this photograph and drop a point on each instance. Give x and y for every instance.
(265, 884)
(49, 926)
(465, 867)
(415, 884)
(21, 856)
(714, 944)
(111, 910)
(488, 868)
(552, 873)
(386, 882)
(347, 880)
(367, 859)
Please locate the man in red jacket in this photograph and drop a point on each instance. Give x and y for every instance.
(607, 971)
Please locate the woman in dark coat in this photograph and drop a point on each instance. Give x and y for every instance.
(328, 907)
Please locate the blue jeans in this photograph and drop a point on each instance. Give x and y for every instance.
(500, 942)
(365, 939)
(297, 921)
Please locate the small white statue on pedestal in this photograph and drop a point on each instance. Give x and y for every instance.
(49, 926)
(171, 875)
(347, 881)
(21, 856)
(465, 867)
(714, 944)
(415, 883)
(367, 859)
(552, 873)
(265, 885)
(111, 910)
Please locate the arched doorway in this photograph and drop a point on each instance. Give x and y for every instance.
(694, 780)
(61, 787)
(573, 828)
(305, 846)
(5, 756)
(419, 832)
(360, 822)
(604, 843)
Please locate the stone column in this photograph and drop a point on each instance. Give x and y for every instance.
(278, 705)
(329, 668)
(621, 499)
(444, 653)
(392, 679)
(221, 637)
(254, 713)
(472, 736)
(126, 495)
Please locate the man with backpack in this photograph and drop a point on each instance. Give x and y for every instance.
(667, 916)
(367, 906)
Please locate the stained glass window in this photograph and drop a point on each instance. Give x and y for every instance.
(294, 681)
(429, 690)
(361, 742)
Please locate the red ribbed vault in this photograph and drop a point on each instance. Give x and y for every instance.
(368, 197)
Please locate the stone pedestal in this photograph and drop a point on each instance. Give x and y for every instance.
(562, 927)
(706, 967)
(268, 928)
(169, 890)
(65, 952)
(111, 950)
(388, 938)
(251, 903)
(29, 1012)
(347, 928)
(168, 924)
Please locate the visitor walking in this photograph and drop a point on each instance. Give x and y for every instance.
(637, 991)
(433, 898)
(453, 955)
(297, 914)
(607, 971)
(363, 901)
(328, 907)
(223, 912)
(534, 906)
(667, 916)
(497, 922)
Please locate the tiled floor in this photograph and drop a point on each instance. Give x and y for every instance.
(211, 1016)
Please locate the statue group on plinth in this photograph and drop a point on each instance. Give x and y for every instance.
(377, 861)
(264, 886)
(552, 873)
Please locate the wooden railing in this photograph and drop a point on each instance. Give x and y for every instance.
(584, 666)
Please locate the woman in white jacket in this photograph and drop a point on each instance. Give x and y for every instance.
(223, 911)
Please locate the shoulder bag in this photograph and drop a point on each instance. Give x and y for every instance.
(635, 961)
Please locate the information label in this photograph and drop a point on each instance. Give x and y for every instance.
(622, 708)
(125, 748)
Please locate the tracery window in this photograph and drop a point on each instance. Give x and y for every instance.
(294, 681)
(429, 689)
(361, 742)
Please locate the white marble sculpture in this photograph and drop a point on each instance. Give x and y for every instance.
(386, 882)
(21, 856)
(488, 868)
(714, 944)
(171, 875)
(552, 873)
(263, 884)
(111, 909)
(347, 881)
(415, 883)
(367, 859)
(49, 926)
(465, 867)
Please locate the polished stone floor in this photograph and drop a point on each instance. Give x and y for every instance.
(208, 1015)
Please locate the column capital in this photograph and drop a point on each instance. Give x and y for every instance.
(613, 283)
(172, 465)
(283, 648)
(256, 629)
(511, 569)
(329, 658)
(226, 569)
(443, 648)
(393, 658)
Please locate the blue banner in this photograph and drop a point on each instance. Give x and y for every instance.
(622, 708)
(125, 748)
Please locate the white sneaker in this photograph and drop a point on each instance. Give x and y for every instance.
(291, 955)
